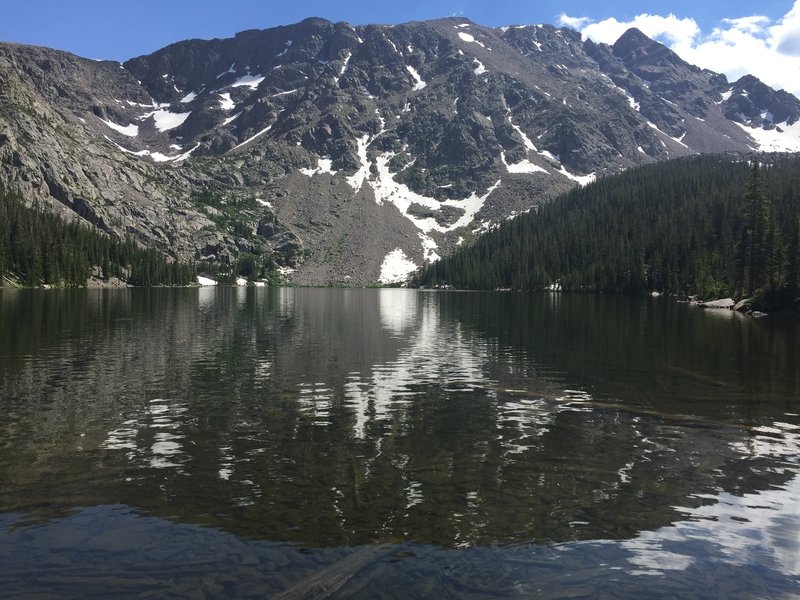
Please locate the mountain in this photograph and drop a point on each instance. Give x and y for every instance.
(353, 154)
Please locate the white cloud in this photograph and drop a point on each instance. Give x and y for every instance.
(754, 24)
(573, 22)
(754, 44)
(669, 29)
(786, 34)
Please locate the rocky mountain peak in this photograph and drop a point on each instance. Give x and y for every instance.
(646, 57)
(633, 41)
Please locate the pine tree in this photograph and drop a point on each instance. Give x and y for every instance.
(793, 258)
(752, 248)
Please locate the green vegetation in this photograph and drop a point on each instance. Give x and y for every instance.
(708, 225)
(333, 253)
(242, 218)
(236, 215)
(37, 247)
(249, 266)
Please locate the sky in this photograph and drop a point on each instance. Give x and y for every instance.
(734, 37)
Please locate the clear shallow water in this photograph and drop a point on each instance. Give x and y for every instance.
(368, 443)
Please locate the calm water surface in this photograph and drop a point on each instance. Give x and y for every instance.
(317, 443)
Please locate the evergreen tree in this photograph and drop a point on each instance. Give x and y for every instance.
(38, 247)
(752, 256)
(793, 258)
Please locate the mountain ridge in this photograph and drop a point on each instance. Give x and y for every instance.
(357, 152)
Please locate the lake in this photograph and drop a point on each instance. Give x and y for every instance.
(381, 443)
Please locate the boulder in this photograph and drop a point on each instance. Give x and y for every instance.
(722, 303)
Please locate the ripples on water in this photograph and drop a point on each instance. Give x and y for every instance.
(405, 442)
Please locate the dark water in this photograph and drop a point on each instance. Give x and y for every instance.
(389, 443)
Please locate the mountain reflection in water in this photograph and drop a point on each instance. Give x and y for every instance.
(548, 433)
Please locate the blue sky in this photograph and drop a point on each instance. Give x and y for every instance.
(731, 37)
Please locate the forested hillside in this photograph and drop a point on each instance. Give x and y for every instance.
(708, 225)
(37, 247)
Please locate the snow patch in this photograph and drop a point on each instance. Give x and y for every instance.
(166, 120)
(230, 120)
(285, 50)
(419, 83)
(250, 139)
(129, 130)
(225, 101)
(205, 281)
(470, 38)
(347, 58)
(550, 156)
(251, 81)
(582, 180)
(783, 138)
(231, 69)
(525, 139)
(156, 156)
(631, 100)
(186, 155)
(677, 140)
(480, 69)
(391, 43)
(726, 96)
(265, 203)
(523, 166)
(188, 97)
(396, 267)
(325, 165)
(428, 248)
(358, 179)
(286, 93)
(386, 189)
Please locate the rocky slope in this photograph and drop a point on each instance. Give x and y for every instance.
(351, 154)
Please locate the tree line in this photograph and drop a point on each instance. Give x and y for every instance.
(37, 247)
(707, 225)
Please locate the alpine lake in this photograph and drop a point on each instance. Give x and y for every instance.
(390, 443)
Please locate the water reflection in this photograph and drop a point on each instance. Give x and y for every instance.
(736, 528)
(334, 418)
(398, 310)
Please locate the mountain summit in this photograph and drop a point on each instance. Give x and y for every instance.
(353, 154)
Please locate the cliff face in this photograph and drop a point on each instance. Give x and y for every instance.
(351, 154)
